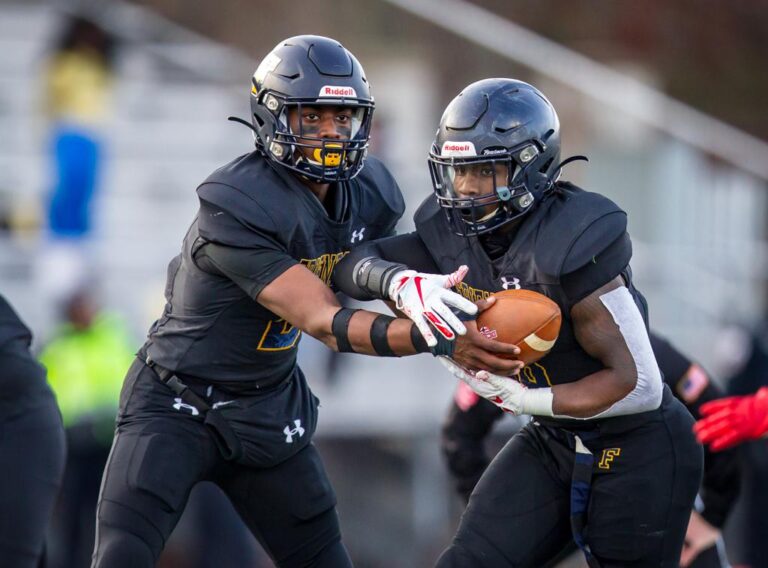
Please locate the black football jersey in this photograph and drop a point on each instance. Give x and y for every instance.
(570, 230)
(212, 326)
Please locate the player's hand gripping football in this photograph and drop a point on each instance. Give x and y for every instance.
(505, 392)
(476, 351)
(426, 299)
(732, 420)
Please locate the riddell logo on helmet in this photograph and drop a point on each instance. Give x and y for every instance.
(458, 149)
(331, 91)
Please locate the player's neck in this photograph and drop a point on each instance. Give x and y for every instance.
(319, 189)
(496, 243)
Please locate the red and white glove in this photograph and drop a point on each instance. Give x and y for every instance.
(733, 420)
(505, 392)
(425, 299)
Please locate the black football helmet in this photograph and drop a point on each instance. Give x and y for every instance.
(317, 71)
(494, 123)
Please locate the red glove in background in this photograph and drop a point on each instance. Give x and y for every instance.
(733, 420)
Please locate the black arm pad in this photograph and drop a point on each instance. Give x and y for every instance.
(340, 329)
(373, 275)
(344, 275)
(404, 250)
(379, 336)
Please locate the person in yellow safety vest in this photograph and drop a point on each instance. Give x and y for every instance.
(86, 360)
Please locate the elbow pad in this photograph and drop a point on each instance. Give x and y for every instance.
(365, 276)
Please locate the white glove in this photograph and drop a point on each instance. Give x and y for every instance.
(427, 297)
(505, 392)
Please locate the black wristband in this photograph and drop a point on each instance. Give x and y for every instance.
(340, 329)
(418, 340)
(373, 275)
(379, 339)
(443, 347)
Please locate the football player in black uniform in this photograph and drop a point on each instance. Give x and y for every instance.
(215, 393)
(471, 418)
(32, 446)
(609, 459)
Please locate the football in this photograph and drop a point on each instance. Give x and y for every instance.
(528, 319)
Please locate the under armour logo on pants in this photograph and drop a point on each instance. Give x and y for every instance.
(290, 433)
(178, 405)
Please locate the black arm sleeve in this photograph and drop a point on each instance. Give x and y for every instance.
(406, 249)
(693, 387)
(252, 269)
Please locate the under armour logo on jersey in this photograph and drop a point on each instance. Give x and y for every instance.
(357, 235)
(513, 283)
(178, 405)
(291, 432)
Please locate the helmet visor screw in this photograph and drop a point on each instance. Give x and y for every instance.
(527, 154)
(272, 103)
(276, 149)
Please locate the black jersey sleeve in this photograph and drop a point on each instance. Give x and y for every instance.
(241, 239)
(252, 269)
(693, 387)
(229, 217)
(603, 267)
(407, 249)
(584, 242)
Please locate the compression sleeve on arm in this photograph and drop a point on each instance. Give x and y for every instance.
(365, 273)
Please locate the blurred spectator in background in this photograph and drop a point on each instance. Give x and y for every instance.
(86, 360)
(750, 376)
(31, 447)
(76, 91)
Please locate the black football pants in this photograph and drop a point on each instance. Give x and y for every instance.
(646, 472)
(157, 457)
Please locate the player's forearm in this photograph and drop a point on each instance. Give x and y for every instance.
(362, 334)
(399, 335)
(591, 395)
